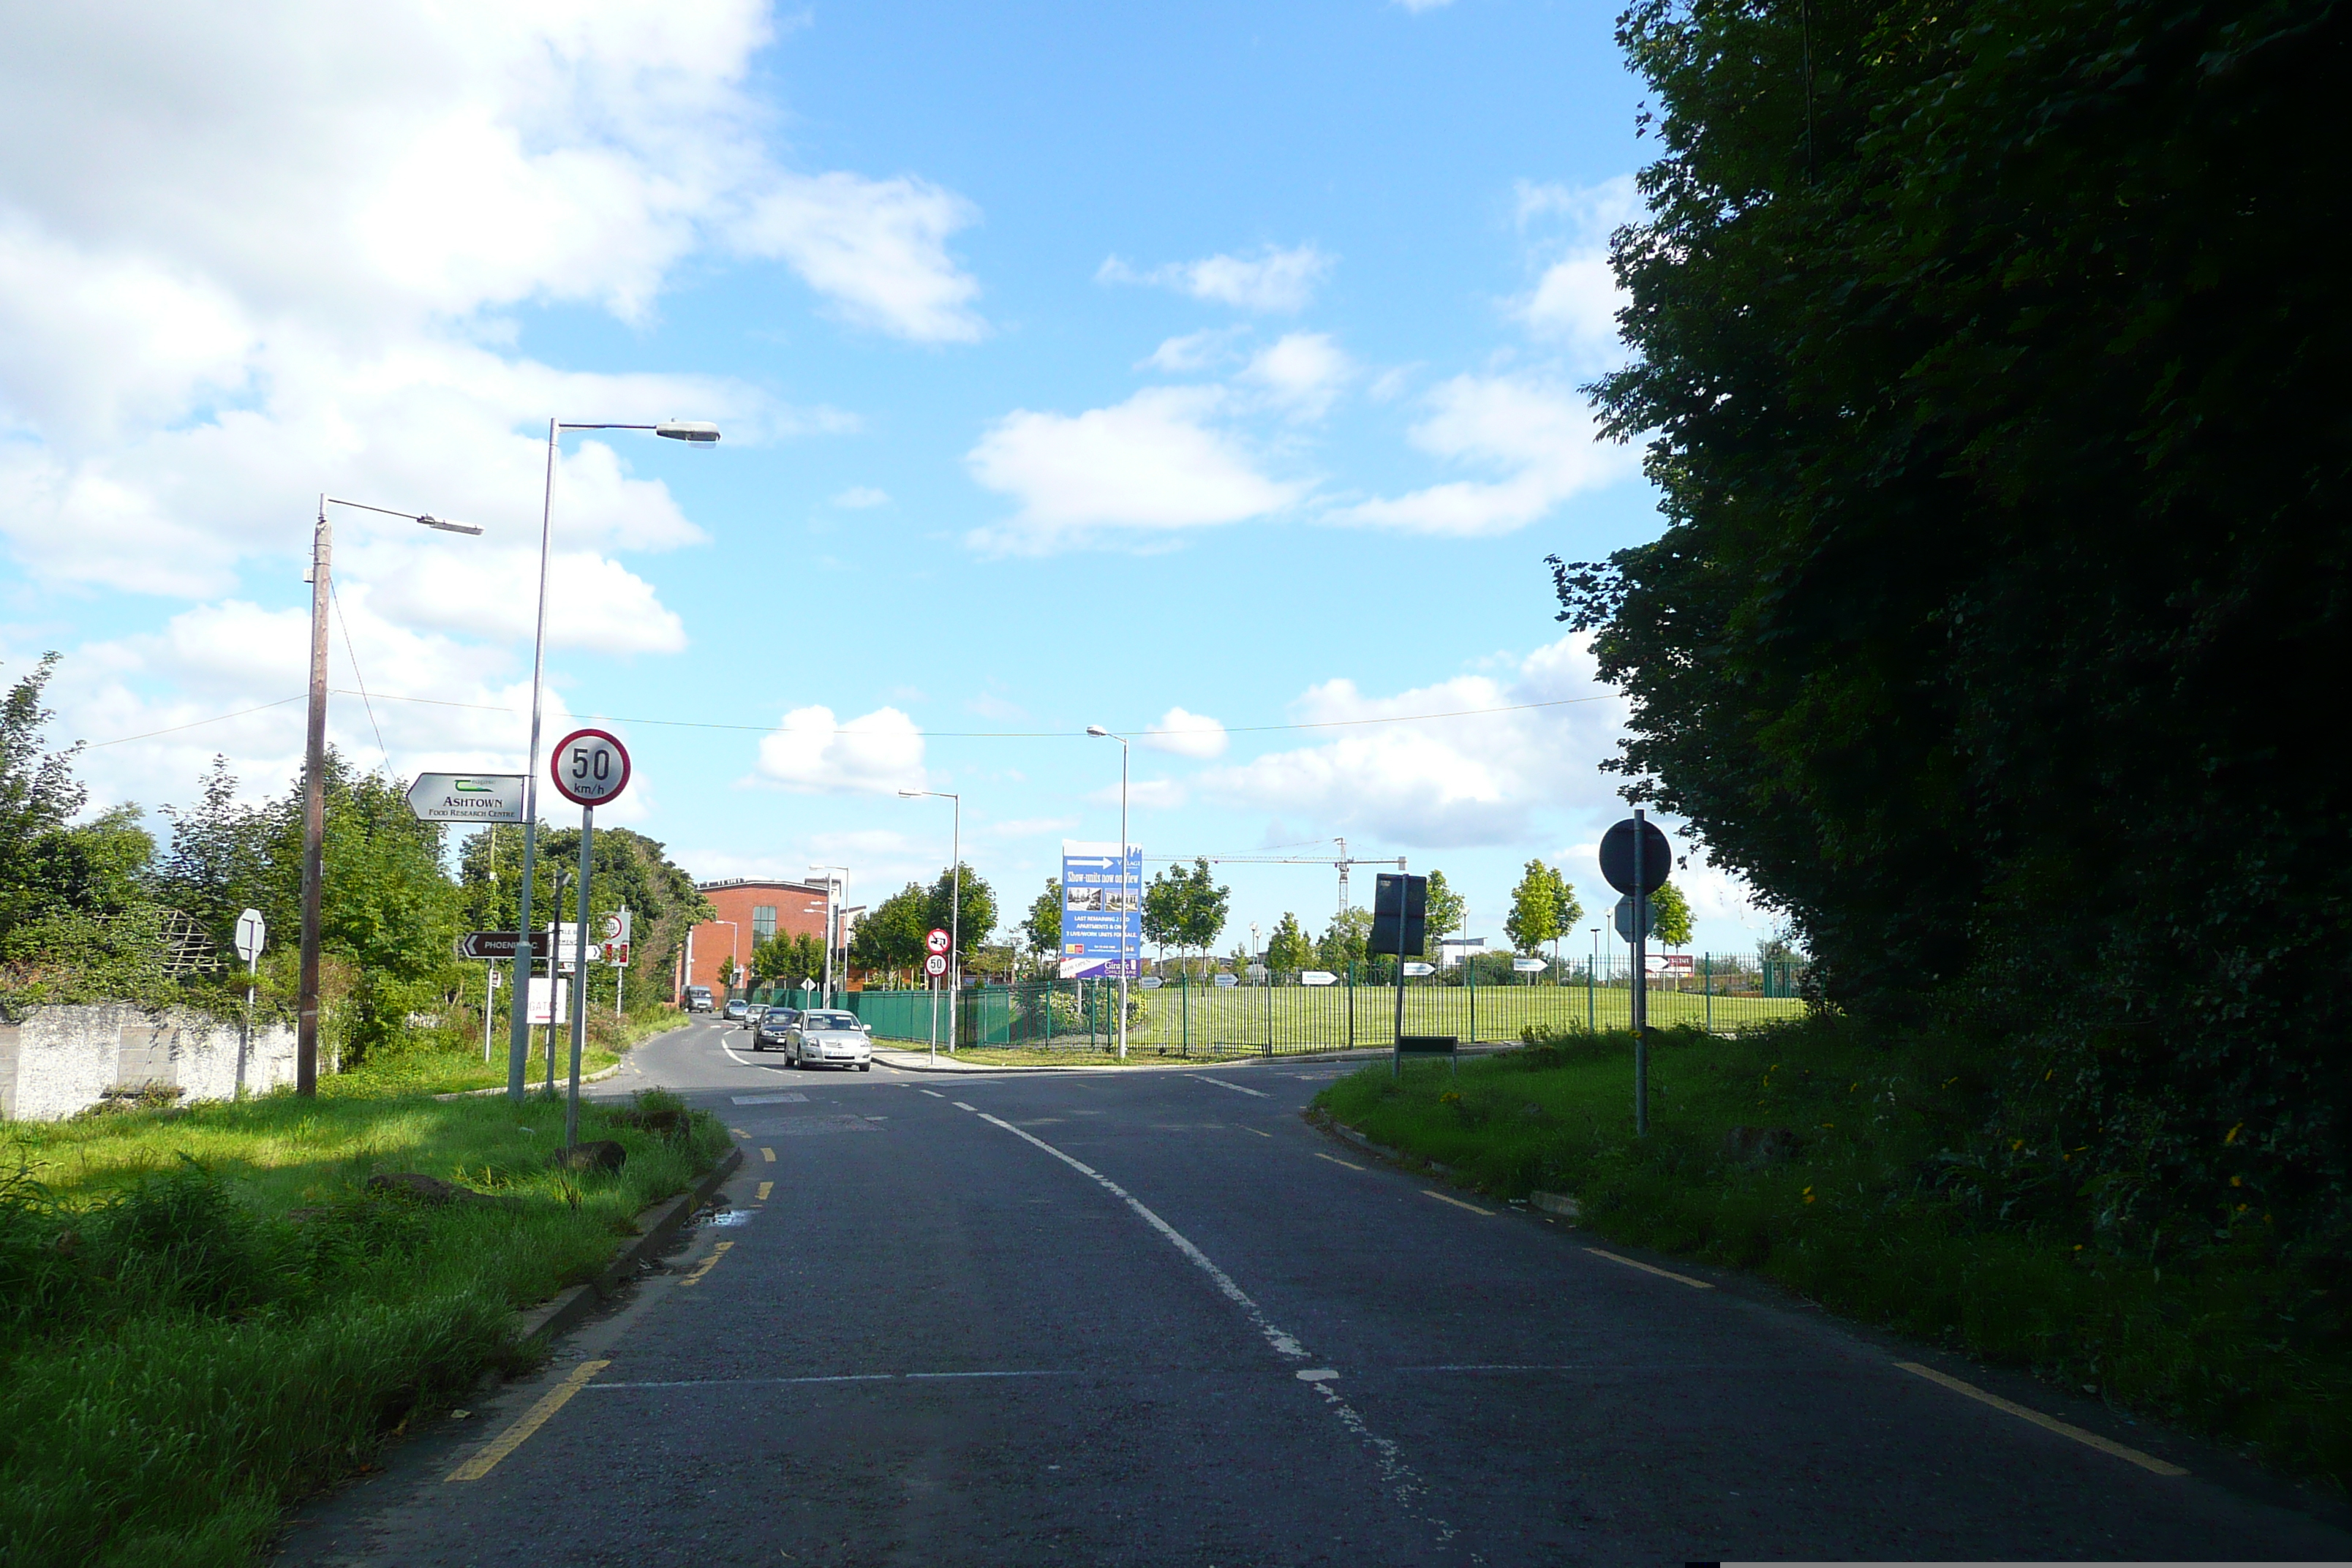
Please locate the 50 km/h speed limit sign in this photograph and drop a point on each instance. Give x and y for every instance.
(590, 767)
(935, 964)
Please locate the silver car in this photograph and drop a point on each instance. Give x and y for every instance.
(830, 1039)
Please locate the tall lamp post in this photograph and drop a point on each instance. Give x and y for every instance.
(955, 904)
(700, 433)
(1124, 965)
(831, 932)
(314, 779)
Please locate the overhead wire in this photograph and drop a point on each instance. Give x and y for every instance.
(344, 621)
(786, 729)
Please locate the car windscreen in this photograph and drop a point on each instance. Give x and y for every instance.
(833, 1020)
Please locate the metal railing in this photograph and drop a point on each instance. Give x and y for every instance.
(1189, 1015)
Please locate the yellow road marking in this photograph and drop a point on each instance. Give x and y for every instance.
(765, 1189)
(1336, 1160)
(1457, 1202)
(514, 1437)
(1646, 1268)
(707, 1264)
(2050, 1423)
(768, 1155)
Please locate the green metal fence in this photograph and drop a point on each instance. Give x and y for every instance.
(1192, 1016)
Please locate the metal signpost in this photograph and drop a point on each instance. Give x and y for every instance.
(1399, 913)
(467, 797)
(935, 943)
(589, 768)
(250, 934)
(1634, 859)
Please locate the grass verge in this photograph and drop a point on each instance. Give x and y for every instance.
(209, 1314)
(1858, 1208)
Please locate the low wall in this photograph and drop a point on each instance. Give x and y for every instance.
(62, 1060)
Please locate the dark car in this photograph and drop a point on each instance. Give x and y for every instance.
(770, 1030)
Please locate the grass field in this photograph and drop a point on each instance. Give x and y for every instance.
(210, 1315)
(1206, 1021)
(2237, 1341)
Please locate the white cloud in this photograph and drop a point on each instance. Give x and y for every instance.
(1538, 433)
(1300, 374)
(1150, 465)
(1575, 299)
(1276, 280)
(876, 248)
(1195, 351)
(248, 255)
(858, 498)
(1186, 734)
(1443, 783)
(874, 754)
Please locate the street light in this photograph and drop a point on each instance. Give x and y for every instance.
(830, 934)
(1100, 734)
(955, 910)
(314, 783)
(699, 433)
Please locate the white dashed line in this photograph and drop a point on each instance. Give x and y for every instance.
(1409, 1489)
(1237, 1089)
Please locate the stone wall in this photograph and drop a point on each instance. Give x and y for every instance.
(62, 1060)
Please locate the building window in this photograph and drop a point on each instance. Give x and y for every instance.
(763, 922)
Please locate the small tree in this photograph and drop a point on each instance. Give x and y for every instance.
(1344, 940)
(1447, 908)
(1670, 916)
(1534, 912)
(1044, 926)
(1287, 951)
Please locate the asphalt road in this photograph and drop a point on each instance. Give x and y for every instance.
(1153, 1318)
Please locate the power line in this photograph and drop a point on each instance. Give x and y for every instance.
(367, 697)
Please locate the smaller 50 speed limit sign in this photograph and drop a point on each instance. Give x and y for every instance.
(935, 964)
(590, 767)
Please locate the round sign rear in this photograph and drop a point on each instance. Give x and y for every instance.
(590, 767)
(1617, 857)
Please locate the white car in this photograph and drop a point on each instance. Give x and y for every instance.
(830, 1039)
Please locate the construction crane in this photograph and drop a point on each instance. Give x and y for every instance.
(1343, 862)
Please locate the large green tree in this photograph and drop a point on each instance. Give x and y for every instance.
(1988, 357)
(1445, 911)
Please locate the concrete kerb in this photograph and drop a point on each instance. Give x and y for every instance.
(914, 1060)
(655, 1227)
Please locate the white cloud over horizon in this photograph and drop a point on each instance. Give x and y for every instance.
(1279, 280)
(1186, 735)
(878, 752)
(1443, 783)
(1155, 463)
(1535, 432)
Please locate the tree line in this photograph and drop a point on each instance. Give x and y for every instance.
(100, 910)
(2001, 597)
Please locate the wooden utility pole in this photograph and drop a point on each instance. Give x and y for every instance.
(314, 810)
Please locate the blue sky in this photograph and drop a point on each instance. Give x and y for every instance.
(1201, 373)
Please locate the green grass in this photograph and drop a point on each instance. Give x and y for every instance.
(2239, 1340)
(208, 1316)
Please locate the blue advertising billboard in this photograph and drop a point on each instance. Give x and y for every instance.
(1102, 909)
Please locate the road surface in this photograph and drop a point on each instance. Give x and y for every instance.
(1153, 1318)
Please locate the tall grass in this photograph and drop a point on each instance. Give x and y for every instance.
(208, 1314)
(2237, 1337)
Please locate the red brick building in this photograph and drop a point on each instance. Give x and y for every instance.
(751, 910)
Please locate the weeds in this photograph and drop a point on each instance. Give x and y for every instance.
(210, 1313)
